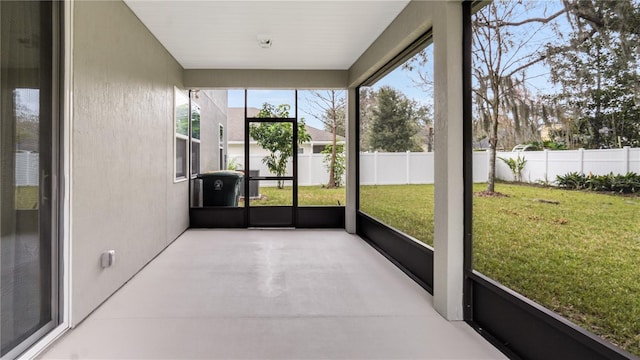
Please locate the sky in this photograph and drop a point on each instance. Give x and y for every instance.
(399, 78)
(406, 81)
(530, 39)
(28, 100)
(255, 98)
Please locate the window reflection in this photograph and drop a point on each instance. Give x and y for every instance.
(27, 284)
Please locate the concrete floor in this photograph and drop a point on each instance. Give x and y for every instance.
(278, 294)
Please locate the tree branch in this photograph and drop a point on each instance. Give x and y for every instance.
(500, 23)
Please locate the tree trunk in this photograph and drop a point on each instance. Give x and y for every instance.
(332, 164)
(492, 166)
(493, 142)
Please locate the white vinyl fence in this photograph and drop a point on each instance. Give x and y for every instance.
(417, 168)
(380, 168)
(27, 165)
(311, 169)
(544, 166)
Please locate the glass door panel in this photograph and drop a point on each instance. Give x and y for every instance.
(28, 283)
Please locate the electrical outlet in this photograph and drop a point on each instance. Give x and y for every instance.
(108, 258)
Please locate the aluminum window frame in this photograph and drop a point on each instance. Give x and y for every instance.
(179, 177)
(62, 96)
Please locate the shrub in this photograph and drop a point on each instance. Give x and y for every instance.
(516, 166)
(339, 165)
(234, 164)
(625, 184)
(547, 144)
(572, 180)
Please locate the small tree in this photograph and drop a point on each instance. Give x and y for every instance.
(368, 100)
(395, 122)
(501, 50)
(335, 162)
(277, 138)
(516, 166)
(331, 106)
(598, 69)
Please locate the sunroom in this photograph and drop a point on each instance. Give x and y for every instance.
(114, 114)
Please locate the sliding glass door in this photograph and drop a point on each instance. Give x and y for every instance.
(28, 200)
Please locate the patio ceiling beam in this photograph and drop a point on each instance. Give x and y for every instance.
(265, 79)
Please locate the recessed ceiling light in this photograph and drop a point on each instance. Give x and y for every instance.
(264, 41)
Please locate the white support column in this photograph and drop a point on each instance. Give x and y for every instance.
(350, 181)
(449, 184)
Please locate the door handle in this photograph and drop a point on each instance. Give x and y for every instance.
(43, 178)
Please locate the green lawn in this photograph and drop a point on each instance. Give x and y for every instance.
(408, 208)
(307, 196)
(26, 197)
(579, 257)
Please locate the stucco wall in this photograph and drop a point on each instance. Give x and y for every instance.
(213, 105)
(123, 194)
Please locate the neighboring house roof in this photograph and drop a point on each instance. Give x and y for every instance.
(235, 122)
(235, 126)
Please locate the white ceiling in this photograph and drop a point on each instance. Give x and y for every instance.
(305, 34)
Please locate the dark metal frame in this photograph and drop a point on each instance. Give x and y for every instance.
(268, 216)
(467, 155)
(515, 324)
(51, 182)
(271, 215)
(408, 254)
(189, 174)
(523, 329)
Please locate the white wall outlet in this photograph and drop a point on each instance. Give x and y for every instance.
(108, 258)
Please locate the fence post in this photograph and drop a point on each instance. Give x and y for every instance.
(28, 178)
(625, 158)
(16, 168)
(375, 168)
(546, 164)
(581, 159)
(488, 163)
(408, 162)
(32, 176)
(35, 160)
(26, 168)
(310, 163)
